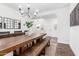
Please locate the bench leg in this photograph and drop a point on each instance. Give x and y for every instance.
(48, 43)
(16, 52)
(42, 53)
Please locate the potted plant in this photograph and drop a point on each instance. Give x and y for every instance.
(28, 24)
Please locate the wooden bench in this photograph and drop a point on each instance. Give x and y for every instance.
(36, 49)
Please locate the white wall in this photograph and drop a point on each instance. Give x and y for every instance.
(63, 25)
(62, 20)
(48, 26)
(74, 35)
(63, 29)
(74, 41)
(6, 11)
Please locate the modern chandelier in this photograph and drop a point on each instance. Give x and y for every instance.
(28, 11)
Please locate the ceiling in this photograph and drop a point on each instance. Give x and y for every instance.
(42, 7)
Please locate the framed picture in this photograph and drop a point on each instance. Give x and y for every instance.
(74, 16)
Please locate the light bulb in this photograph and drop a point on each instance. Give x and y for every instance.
(20, 6)
(22, 11)
(28, 6)
(35, 14)
(37, 11)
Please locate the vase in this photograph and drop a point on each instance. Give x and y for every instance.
(29, 33)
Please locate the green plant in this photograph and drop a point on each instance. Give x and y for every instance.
(28, 24)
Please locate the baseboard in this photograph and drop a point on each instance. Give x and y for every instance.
(73, 50)
(63, 42)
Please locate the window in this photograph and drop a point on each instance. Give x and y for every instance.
(11, 23)
(17, 24)
(7, 23)
(0, 22)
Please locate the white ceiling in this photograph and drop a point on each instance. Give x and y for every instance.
(42, 7)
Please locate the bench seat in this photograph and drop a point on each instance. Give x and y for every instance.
(36, 49)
